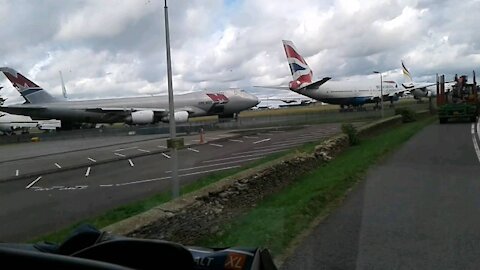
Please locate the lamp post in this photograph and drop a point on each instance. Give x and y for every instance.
(173, 143)
(381, 90)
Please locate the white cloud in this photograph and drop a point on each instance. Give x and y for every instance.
(108, 49)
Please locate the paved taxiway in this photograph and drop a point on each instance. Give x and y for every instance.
(419, 209)
(44, 202)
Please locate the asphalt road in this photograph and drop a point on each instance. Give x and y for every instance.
(419, 209)
(43, 202)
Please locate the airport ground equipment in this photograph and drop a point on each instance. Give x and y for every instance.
(460, 103)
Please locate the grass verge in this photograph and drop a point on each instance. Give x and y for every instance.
(126, 211)
(276, 221)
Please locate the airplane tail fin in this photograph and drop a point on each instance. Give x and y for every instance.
(299, 68)
(406, 74)
(30, 91)
(64, 90)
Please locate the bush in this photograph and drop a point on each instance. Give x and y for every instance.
(352, 133)
(407, 115)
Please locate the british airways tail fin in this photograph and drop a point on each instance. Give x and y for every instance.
(30, 91)
(301, 73)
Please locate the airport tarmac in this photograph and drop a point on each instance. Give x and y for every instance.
(44, 202)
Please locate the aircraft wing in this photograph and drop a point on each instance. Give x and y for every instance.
(21, 110)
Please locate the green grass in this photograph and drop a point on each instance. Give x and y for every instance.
(277, 220)
(126, 211)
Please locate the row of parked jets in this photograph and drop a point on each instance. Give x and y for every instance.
(40, 106)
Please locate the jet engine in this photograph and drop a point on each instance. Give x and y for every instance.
(429, 94)
(180, 117)
(140, 118)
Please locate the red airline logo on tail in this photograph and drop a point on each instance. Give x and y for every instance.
(218, 98)
(20, 82)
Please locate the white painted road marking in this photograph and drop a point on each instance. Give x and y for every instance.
(193, 150)
(264, 140)
(162, 146)
(475, 144)
(217, 145)
(17, 172)
(253, 155)
(278, 148)
(131, 162)
(143, 150)
(168, 177)
(233, 140)
(33, 182)
(58, 165)
(120, 155)
(251, 137)
(109, 185)
(165, 155)
(87, 173)
(217, 164)
(123, 149)
(478, 128)
(213, 138)
(91, 159)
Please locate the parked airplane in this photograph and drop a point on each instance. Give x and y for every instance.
(9, 123)
(343, 93)
(421, 90)
(134, 110)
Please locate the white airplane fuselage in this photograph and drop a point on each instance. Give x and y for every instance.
(350, 92)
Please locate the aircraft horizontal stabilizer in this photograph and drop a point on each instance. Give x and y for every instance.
(317, 84)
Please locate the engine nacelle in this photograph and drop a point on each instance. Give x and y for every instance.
(140, 118)
(180, 117)
(429, 94)
(294, 85)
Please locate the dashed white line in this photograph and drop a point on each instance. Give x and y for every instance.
(165, 155)
(120, 155)
(162, 146)
(33, 182)
(17, 172)
(251, 137)
(131, 162)
(234, 140)
(87, 173)
(216, 145)
(213, 138)
(193, 150)
(58, 165)
(108, 185)
(91, 159)
(473, 129)
(143, 150)
(264, 140)
(223, 135)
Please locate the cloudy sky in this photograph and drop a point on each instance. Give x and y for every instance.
(117, 48)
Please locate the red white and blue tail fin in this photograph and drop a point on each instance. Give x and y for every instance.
(301, 73)
(30, 91)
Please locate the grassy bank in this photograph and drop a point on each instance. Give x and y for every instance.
(276, 221)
